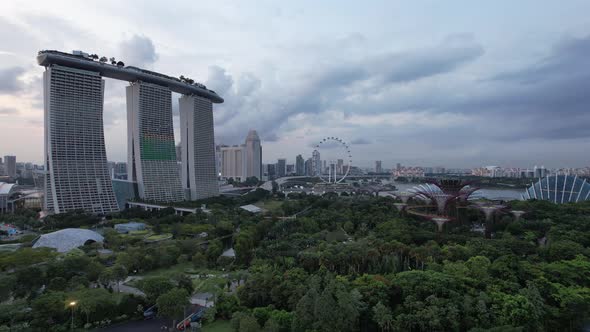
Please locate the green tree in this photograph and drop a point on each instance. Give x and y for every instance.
(119, 274)
(382, 316)
(153, 287)
(171, 304)
(249, 324)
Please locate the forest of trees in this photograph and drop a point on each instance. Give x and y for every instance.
(347, 264)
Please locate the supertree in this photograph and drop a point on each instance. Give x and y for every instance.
(489, 211)
(442, 192)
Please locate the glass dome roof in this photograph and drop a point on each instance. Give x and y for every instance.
(559, 189)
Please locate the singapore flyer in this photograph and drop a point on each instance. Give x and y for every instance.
(331, 160)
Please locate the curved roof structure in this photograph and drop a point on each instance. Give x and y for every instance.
(130, 74)
(559, 189)
(67, 239)
(6, 188)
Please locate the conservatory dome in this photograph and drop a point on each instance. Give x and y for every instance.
(67, 239)
(559, 189)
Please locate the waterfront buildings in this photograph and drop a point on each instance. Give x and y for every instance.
(77, 176)
(242, 161)
(317, 163)
(281, 167)
(378, 168)
(299, 165)
(151, 150)
(199, 175)
(253, 150)
(10, 166)
(75, 157)
(232, 162)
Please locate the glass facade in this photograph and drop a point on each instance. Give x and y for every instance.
(559, 189)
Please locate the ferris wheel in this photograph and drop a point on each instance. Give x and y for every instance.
(331, 160)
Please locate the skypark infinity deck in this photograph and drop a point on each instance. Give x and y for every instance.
(130, 74)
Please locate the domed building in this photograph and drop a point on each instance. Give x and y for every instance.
(559, 189)
(67, 239)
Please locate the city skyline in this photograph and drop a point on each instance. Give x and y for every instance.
(472, 93)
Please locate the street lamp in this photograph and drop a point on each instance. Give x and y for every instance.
(72, 305)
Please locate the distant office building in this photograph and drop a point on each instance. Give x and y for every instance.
(540, 172)
(151, 149)
(317, 163)
(75, 158)
(253, 160)
(378, 168)
(290, 169)
(299, 165)
(10, 166)
(232, 162)
(340, 166)
(309, 167)
(281, 168)
(270, 172)
(197, 139)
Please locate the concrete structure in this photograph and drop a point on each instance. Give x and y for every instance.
(378, 168)
(232, 162)
(281, 168)
(10, 166)
(6, 189)
(67, 239)
(77, 176)
(151, 153)
(299, 165)
(199, 175)
(517, 214)
(75, 156)
(251, 208)
(317, 163)
(129, 227)
(253, 155)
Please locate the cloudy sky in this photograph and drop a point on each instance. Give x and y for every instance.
(453, 83)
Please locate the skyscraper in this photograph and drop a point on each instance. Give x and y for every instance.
(151, 150)
(75, 157)
(317, 163)
(309, 167)
(378, 168)
(299, 165)
(253, 151)
(197, 139)
(340, 166)
(232, 162)
(10, 166)
(281, 168)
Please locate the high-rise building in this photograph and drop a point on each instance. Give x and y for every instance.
(253, 159)
(317, 163)
(378, 168)
(10, 166)
(290, 169)
(340, 166)
(281, 167)
(232, 162)
(299, 165)
(197, 139)
(75, 157)
(270, 171)
(151, 150)
(308, 167)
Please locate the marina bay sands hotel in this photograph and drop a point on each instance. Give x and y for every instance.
(75, 158)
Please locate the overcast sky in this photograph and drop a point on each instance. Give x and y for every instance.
(452, 83)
